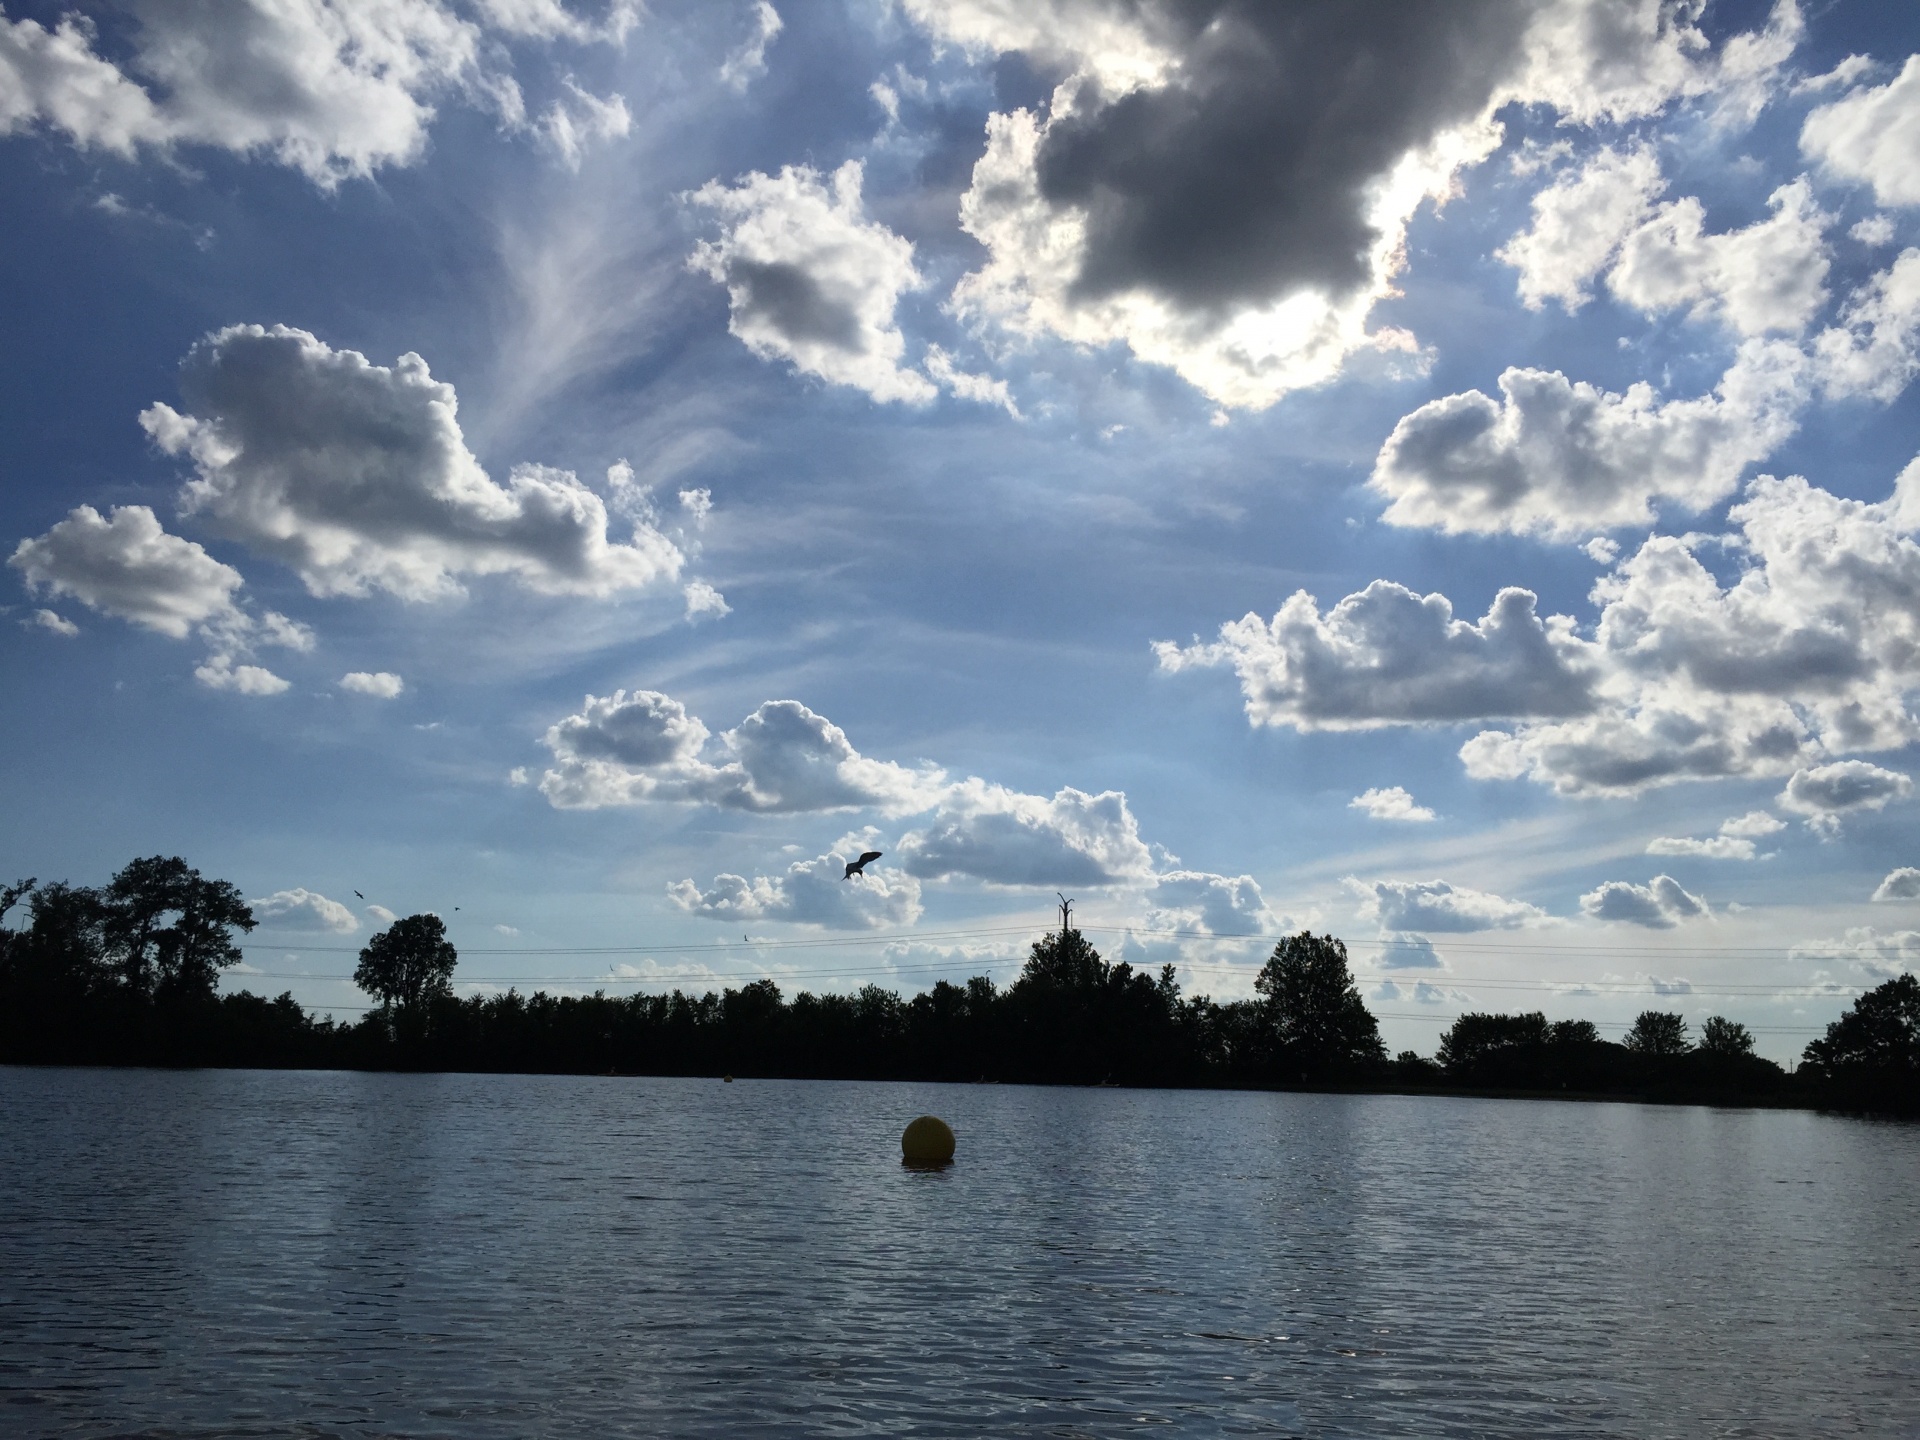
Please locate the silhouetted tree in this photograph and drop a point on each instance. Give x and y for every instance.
(1658, 1035)
(1872, 1052)
(1312, 1011)
(180, 958)
(408, 963)
(1721, 1036)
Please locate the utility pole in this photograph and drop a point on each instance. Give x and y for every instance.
(1066, 914)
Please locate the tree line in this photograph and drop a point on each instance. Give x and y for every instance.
(128, 973)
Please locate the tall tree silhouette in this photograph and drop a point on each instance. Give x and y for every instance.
(408, 963)
(167, 930)
(1312, 1012)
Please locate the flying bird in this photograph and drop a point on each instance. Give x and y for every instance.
(859, 867)
(358, 896)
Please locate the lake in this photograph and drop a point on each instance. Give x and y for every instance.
(252, 1253)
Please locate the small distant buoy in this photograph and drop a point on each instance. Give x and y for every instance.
(727, 1078)
(927, 1141)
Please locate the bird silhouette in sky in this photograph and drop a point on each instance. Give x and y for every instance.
(859, 867)
(358, 896)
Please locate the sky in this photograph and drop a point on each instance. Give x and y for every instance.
(1441, 474)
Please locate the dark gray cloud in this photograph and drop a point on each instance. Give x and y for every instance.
(1248, 177)
(790, 300)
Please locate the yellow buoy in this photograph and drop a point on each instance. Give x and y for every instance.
(927, 1141)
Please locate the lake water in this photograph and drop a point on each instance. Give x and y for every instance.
(266, 1254)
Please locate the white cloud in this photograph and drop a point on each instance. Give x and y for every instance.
(703, 599)
(1880, 956)
(129, 567)
(1734, 842)
(1197, 901)
(1875, 230)
(811, 280)
(580, 119)
(1562, 458)
(749, 62)
(982, 389)
(1825, 793)
(304, 909)
(1387, 656)
(1578, 224)
(220, 673)
(988, 832)
(382, 914)
(1436, 905)
(1394, 803)
(1768, 277)
(624, 748)
(1419, 992)
(812, 892)
(336, 89)
(1409, 952)
(1872, 134)
(358, 477)
(1755, 824)
(54, 622)
(1875, 349)
(1900, 884)
(1131, 212)
(381, 684)
(1810, 650)
(1658, 905)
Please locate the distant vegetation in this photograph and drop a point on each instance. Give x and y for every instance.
(128, 973)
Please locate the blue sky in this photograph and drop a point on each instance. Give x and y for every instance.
(867, 425)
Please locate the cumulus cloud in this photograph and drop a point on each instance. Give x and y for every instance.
(987, 832)
(1563, 458)
(1659, 905)
(1387, 656)
(1394, 803)
(1578, 224)
(357, 476)
(1197, 901)
(1226, 189)
(1409, 952)
(1435, 905)
(128, 566)
(1875, 349)
(1767, 277)
(304, 909)
(812, 892)
(1900, 884)
(1881, 956)
(221, 673)
(811, 280)
(381, 684)
(334, 90)
(53, 622)
(1826, 793)
(703, 599)
(624, 748)
(1872, 135)
(1809, 650)
(1734, 842)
